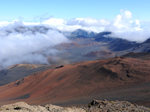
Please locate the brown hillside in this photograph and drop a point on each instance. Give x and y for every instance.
(74, 82)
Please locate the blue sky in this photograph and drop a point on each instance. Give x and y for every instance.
(31, 10)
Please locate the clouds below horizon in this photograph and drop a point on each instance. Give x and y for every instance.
(123, 26)
(27, 44)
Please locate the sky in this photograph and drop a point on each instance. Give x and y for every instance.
(68, 9)
(24, 37)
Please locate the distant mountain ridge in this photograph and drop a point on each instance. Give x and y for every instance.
(83, 33)
(26, 29)
(119, 44)
(103, 37)
(114, 43)
(142, 47)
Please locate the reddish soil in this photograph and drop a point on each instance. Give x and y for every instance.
(100, 54)
(68, 45)
(76, 84)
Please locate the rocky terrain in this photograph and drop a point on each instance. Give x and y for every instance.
(115, 106)
(24, 107)
(94, 106)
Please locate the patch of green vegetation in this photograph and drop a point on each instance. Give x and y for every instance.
(112, 102)
(89, 105)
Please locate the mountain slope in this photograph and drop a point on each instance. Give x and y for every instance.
(141, 55)
(142, 47)
(19, 71)
(114, 43)
(103, 37)
(121, 44)
(74, 82)
(82, 33)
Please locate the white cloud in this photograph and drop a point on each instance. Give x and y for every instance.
(54, 22)
(23, 47)
(137, 22)
(31, 23)
(122, 21)
(127, 14)
(94, 22)
(88, 24)
(138, 36)
(4, 23)
(124, 26)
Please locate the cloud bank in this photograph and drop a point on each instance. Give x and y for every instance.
(28, 44)
(123, 26)
(33, 42)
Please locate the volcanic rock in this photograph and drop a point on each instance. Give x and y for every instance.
(24, 107)
(115, 106)
(94, 106)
